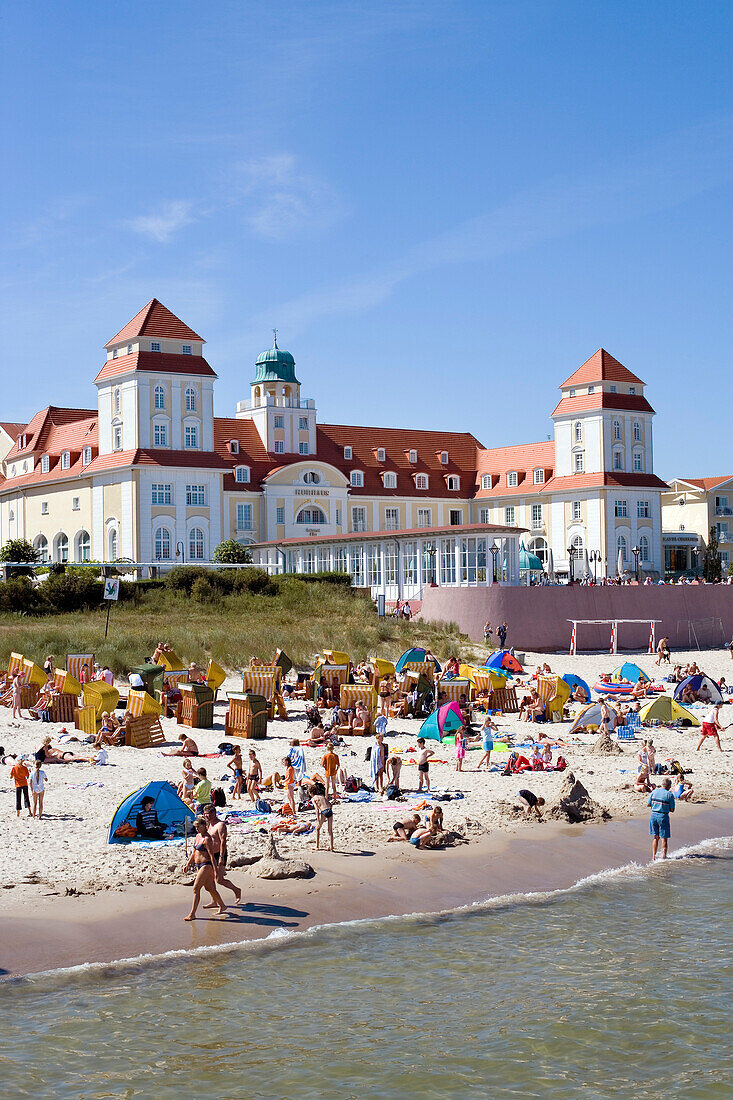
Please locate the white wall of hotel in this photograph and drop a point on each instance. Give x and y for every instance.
(400, 564)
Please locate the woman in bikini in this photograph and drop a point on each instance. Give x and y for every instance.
(385, 696)
(236, 766)
(202, 858)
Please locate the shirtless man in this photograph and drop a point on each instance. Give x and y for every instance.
(217, 831)
(404, 829)
(393, 769)
(423, 765)
(188, 747)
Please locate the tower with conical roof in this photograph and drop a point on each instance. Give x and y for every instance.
(286, 423)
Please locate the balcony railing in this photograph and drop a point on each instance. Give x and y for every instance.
(723, 510)
(275, 403)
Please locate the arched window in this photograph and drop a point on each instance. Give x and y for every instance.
(241, 473)
(538, 546)
(65, 460)
(83, 546)
(312, 516)
(637, 432)
(112, 544)
(621, 549)
(421, 481)
(616, 429)
(357, 479)
(190, 399)
(644, 547)
(116, 401)
(310, 477)
(162, 543)
(577, 545)
(486, 481)
(61, 548)
(196, 544)
(578, 432)
(159, 393)
(40, 545)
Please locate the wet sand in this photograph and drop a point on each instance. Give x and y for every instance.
(48, 932)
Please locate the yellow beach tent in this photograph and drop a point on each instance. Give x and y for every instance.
(664, 709)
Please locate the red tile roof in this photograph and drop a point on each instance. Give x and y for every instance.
(601, 367)
(156, 362)
(706, 483)
(582, 402)
(462, 448)
(523, 459)
(53, 430)
(616, 480)
(13, 430)
(154, 319)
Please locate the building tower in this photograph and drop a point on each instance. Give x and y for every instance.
(285, 423)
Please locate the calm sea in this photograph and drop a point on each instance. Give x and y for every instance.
(618, 988)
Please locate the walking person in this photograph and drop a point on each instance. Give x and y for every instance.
(488, 729)
(202, 858)
(38, 788)
(661, 803)
(460, 748)
(488, 634)
(217, 831)
(501, 633)
(712, 727)
(20, 775)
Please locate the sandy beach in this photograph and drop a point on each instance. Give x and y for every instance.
(41, 862)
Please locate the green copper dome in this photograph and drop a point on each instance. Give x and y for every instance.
(275, 365)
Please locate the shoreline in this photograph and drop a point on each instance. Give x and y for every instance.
(47, 933)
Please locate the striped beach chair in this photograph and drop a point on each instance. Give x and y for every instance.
(171, 662)
(33, 673)
(100, 695)
(454, 689)
(139, 702)
(262, 681)
(215, 676)
(246, 716)
(424, 668)
(351, 694)
(75, 662)
(15, 664)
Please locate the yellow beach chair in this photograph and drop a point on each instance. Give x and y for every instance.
(75, 662)
(351, 694)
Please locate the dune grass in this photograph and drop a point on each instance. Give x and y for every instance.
(300, 618)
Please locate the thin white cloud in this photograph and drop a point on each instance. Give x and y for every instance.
(165, 223)
(281, 199)
(656, 179)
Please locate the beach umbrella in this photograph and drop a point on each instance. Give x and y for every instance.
(551, 567)
(587, 565)
(416, 655)
(620, 562)
(446, 719)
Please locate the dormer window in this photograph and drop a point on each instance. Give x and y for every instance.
(486, 481)
(413, 457)
(390, 480)
(86, 456)
(454, 483)
(233, 446)
(421, 481)
(159, 397)
(511, 479)
(539, 477)
(444, 458)
(129, 349)
(44, 464)
(241, 474)
(65, 460)
(572, 393)
(348, 453)
(186, 349)
(381, 454)
(114, 353)
(611, 389)
(591, 389)
(154, 345)
(357, 479)
(632, 389)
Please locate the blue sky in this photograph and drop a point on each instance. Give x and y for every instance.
(444, 207)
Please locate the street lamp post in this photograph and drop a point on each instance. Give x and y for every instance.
(494, 554)
(431, 551)
(595, 557)
(636, 551)
(694, 553)
(570, 563)
(180, 551)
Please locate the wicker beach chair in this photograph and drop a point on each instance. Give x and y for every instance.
(196, 708)
(75, 662)
(350, 695)
(262, 681)
(246, 716)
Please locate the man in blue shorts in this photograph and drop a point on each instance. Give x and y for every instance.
(661, 802)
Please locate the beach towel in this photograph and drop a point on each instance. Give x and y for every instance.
(297, 759)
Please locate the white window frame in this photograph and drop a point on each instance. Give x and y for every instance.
(86, 456)
(422, 481)
(165, 539)
(390, 479)
(45, 464)
(444, 458)
(241, 474)
(116, 437)
(194, 542)
(279, 447)
(620, 509)
(348, 453)
(577, 511)
(425, 517)
(161, 492)
(75, 506)
(454, 483)
(642, 509)
(116, 401)
(358, 519)
(186, 349)
(280, 514)
(356, 479)
(65, 460)
(304, 447)
(509, 515)
(539, 476)
(278, 420)
(155, 345)
(244, 510)
(486, 481)
(412, 457)
(381, 454)
(579, 462)
(618, 460)
(616, 431)
(190, 400)
(159, 398)
(196, 495)
(391, 519)
(44, 507)
(578, 431)
(191, 437)
(233, 446)
(512, 479)
(484, 515)
(637, 432)
(638, 462)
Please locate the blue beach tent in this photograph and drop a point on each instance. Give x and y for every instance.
(714, 694)
(629, 673)
(414, 656)
(574, 681)
(171, 810)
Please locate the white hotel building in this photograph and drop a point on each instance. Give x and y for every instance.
(150, 474)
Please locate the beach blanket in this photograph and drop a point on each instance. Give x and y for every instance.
(174, 841)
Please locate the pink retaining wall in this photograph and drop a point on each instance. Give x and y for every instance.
(537, 617)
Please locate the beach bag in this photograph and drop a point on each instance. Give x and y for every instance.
(226, 748)
(391, 792)
(351, 786)
(125, 831)
(262, 806)
(218, 797)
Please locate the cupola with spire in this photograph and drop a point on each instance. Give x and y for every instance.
(286, 424)
(275, 365)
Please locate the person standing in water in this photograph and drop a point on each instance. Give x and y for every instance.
(661, 803)
(218, 837)
(202, 858)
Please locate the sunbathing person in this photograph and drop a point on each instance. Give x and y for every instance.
(42, 705)
(188, 747)
(643, 783)
(362, 719)
(404, 829)
(687, 696)
(53, 754)
(109, 731)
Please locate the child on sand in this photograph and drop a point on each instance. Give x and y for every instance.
(324, 816)
(487, 741)
(330, 765)
(20, 775)
(290, 784)
(236, 766)
(423, 766)
(460, 748)
(202, 791)
(530, 802)
(38, 787)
